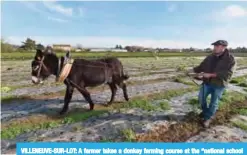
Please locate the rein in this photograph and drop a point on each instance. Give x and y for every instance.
(194, 76)
(64, 68)
(42, 65)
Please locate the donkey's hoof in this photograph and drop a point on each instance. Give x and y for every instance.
(109, 104)
(62, 113)
(106, 105)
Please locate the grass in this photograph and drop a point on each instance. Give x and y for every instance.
(181, 80)
(241, 111)
(240, 125)
(227, 97)
(181, 131)
(128, 135)
(16, 128)
(12, 129)
(243, 84)
(238, 80)
(164, 105)
(9, 98)
(181, 68)
(145, 102)
(5, 89)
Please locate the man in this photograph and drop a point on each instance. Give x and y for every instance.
(216, 70)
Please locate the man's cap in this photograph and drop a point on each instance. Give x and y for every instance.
(220, 42)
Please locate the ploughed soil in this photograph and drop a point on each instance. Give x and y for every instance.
(191, 126)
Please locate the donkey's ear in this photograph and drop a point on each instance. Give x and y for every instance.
(68, 55)
(48, 50)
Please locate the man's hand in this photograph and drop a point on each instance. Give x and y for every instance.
(208, 75)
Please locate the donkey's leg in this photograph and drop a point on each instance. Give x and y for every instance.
(87, 96)
(67, 99)
(124, 88)
(113, 91)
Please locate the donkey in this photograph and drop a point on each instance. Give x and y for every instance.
(84, 73)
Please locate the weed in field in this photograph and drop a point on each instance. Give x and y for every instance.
(14, 130)
(143, 104)
(243, 84)
(241, 111)
(181, 80)
(180, 132)
(7, 99)
(76, 117)
(240, 125)
(172, 93)
(181, 68)
(165, 105)
(105, 140)
(5, 89)
(238, 80)
(128, 135)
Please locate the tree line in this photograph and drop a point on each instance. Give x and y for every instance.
(31, 45)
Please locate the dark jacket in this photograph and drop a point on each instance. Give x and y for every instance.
(222, 65)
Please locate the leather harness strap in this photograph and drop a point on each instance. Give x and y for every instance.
(65, 70)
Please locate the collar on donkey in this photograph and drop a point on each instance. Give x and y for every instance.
(66, 68)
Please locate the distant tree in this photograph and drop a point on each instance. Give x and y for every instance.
(129, 48)
(40, 46)
(192, 49)
(208, 50)
(29, 44)
(120, 47)
(79, 46)
(6, 47)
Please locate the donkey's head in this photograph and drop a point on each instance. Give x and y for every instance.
(45, 63)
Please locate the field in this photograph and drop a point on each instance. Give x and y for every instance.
(163, 105)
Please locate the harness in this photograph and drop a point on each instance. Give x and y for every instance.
(65, 70)
(62, 71)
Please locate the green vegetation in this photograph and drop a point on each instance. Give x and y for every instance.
(181, 80)
(128, 135)
(5, 89)
(238, 80)
(182, 131)
(143, 104)
(242, 111)
(243, 84)
(165, 105)
(9, 98)
(240, 125)
(171, 93)
(16, 129)
(230, 97)
(227, 97)
(181, 68)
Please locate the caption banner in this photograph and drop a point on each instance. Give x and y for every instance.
(133, 148)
